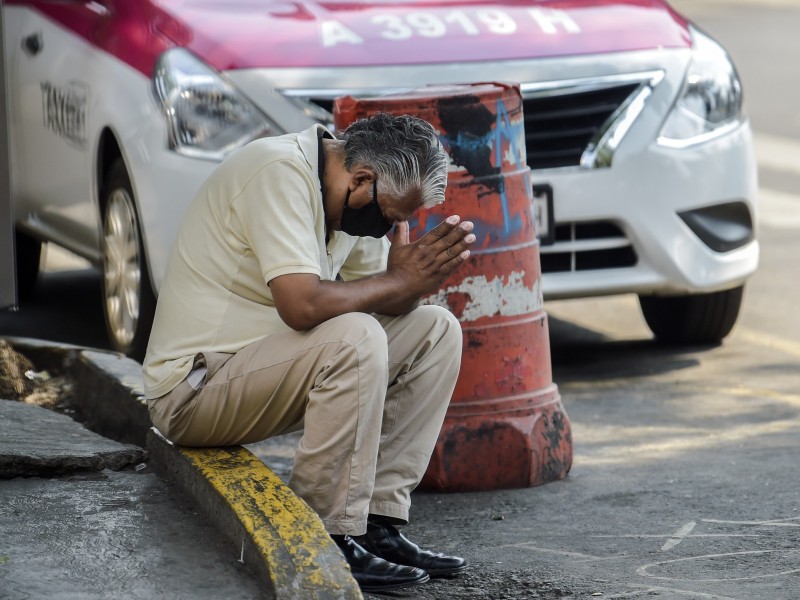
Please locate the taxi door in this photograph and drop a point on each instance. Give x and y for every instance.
(49, 97)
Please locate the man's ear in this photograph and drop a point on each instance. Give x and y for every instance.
(360, 176)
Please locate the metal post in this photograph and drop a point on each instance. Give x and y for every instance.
(8, 288)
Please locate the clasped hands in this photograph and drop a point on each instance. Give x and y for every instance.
(424, 264)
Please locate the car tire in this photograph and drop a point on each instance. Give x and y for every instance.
(28, 251)
(693, 319)
(128, 298)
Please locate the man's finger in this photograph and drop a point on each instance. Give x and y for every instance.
(458, 246)
(455, 262)
(454, 237)
(441, 230)
(401, 235)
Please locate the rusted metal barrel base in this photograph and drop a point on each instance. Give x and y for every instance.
(508, 443)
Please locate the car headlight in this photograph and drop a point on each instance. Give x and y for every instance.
(710, 102)
(206, 115)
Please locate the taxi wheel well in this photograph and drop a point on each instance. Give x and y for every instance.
(108, 152)
(112, 170)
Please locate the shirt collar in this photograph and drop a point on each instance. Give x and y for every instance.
(308, 141)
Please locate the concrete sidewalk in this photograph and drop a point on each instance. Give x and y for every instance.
(82, 516)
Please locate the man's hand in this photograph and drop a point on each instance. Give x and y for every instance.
(423, 265)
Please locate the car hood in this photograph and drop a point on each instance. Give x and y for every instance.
(243, 34)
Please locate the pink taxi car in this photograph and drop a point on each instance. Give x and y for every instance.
(640, 150)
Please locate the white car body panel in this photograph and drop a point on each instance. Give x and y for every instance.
(121, 100)
(57, 149)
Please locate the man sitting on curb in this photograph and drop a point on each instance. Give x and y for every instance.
(284, 307)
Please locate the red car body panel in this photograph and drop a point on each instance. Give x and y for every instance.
(241, 34)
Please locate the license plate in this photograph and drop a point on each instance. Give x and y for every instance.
(544, 226)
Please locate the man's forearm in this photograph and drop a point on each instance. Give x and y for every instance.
(311, 301)
(380, 293)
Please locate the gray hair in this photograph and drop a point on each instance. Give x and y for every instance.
(404, 151)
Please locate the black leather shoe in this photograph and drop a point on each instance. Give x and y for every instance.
(374, 574)
(384, 540)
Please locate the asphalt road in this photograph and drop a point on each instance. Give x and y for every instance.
(684, 483)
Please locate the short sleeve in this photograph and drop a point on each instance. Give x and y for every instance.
(278, 219)
(368, 257)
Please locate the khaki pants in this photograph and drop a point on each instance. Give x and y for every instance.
(370, 393)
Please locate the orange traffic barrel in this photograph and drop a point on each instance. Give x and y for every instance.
(505, 426)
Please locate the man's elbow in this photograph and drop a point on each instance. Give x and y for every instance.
(300, 318)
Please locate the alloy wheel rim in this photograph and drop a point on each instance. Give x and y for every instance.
(122, 268)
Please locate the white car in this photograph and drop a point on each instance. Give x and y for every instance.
(642, 158)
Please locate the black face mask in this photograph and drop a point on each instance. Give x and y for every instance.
(367, 220)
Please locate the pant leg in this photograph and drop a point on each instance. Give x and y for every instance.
(334, 377)
(334, 466)
(424, 361)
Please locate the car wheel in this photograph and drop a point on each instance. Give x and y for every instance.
(693, 319)
(128, 298)
(28, 252)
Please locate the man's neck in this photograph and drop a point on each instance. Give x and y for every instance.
(333, 185)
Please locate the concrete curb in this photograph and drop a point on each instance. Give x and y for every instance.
(109, 392)
(277, 534)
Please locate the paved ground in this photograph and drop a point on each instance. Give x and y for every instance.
(683, 483)
(73, 528)
(683, 487)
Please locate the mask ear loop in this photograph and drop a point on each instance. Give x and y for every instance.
(375, 198)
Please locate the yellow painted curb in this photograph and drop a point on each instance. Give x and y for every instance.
(279, 529)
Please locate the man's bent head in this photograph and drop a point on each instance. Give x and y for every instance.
(405, 153)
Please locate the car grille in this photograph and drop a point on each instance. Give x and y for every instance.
(560, 126)
(587, 246)
(560, 123)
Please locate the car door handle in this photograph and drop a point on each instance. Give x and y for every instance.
(32, 44)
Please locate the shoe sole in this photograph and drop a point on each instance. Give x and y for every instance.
(447, 572)
(394, 586)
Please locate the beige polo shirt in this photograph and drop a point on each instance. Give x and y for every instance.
(258, 216)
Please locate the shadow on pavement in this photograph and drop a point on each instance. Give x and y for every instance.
(66, 307)
(581, 354)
